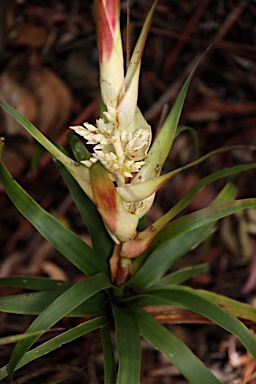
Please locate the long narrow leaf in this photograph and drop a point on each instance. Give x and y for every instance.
(242, 310)
(35, 283)
(109, 358)
(28, 303)
(184, 201)
(128, 345)
(36, 302)
(183, 274)
(78, 171)
(63, 305)
(174, 350)
(152, 266)
(135, 60)
(64, 240)
(128, 101)
(198, 219)
(134, 248)
(14, 338)
(79, 150)
(144, 189)
(57, 342)
(101, 241)
(163, 142)
(35, 133)
(162, 259)
(190, 299)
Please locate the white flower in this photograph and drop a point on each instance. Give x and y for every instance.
(121, 151)
(136, 144)
(111, 114)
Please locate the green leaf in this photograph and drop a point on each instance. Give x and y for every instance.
(57, 342)
(65, 241)
(134, 248)
(35, 283)
(184, 202)
(78, 171)
(101, 241)
(36, 134)
(143, 189)
(79, 150)
(162, 259)
(128, 345)
(109, 358)
(242, 310)
(142, 222)
(94, 306)
(13, 338)
(34, 303)
(37, 155)
(59, 308)
(127, 103)
(163, 142)
(28, 303)
(183, 274)
(148, 268)
(174, 350)
(135, 60)
(199, 219)
(190, 299)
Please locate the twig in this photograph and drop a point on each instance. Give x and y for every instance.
(128, 43)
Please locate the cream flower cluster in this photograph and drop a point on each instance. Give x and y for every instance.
(120, 150)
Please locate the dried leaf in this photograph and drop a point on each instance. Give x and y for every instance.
(28, 34)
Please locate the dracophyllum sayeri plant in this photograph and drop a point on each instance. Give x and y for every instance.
(127, 268)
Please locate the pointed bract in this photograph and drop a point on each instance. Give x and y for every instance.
(141, 191)
(110, 50)
(127, 106)
(134, 248)
(117, 220)
(128, 101)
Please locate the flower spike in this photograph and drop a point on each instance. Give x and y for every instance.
(124, 172)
